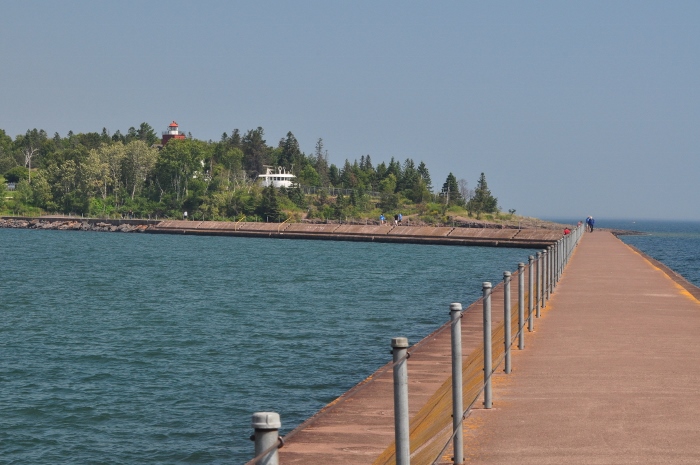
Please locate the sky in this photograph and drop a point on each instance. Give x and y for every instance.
(570, 108)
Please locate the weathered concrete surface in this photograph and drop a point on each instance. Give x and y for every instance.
(611, 375)
(484, 233)
(538, 234)
(312, 228)
(380, 233)
(424, 231)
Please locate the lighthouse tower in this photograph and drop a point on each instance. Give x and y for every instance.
(172, 133)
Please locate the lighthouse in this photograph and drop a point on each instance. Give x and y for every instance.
(173, 132)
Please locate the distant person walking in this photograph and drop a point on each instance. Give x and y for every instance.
(589, 223)
(382, 219)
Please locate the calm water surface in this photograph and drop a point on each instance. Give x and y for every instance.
(675, 243)
(127, 348)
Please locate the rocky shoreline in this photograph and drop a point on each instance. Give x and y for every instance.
(72, 225)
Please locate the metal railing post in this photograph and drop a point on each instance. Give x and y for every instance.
(399, 347)
(556, 262)
(266, 425)
(557, 253)
(531, 293)
(488, 403)
(560, 257)
(545, 279)
(521, 306)
(457, 405)
(540, 282)
(506, 320)
(554, 268)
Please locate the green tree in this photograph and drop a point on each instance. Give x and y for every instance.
(3, 189)
(29, 145)
(7, 160)
(23, 192)
(96, 179)
(450, 191)
(296, 195)
(146, 134)
(269, 206)
(320, 162)
(389, 198)
(139, 161)
(483, 201)
(255, 151)
(334, 175)
(16, 174)
(177, 162)
(309, 177)
(425, 174)
(290, 155)
(42, 196)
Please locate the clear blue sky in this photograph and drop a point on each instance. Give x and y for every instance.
(570, 108)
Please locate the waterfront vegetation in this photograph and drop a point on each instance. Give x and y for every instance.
(132, 175)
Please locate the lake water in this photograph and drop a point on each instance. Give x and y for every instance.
(150, 349)
(675, 243)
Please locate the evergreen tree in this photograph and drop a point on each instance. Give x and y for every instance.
(296, 195)
(320, 162)
(146, 133)
(269, 207)
(254, 151)
(334, 175)
(483, 201)
(291, 153)
(409, 177)
(104, 137)
(450, 191)
(425, 174)
(235, 139)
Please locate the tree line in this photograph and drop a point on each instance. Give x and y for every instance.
(103, 174)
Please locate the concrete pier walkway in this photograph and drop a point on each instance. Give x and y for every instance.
(611, 375)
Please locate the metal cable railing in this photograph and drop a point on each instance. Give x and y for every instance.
(429, 434)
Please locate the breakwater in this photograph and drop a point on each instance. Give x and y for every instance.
(76, 224)
(436, 235)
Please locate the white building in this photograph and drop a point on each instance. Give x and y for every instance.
(276, 178)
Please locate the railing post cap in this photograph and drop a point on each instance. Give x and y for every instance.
(521, 265)
(266, 420)
(486, 285)
(506, 274)
(455, 307)
(531, 258)
(399, 342)
(539, 254)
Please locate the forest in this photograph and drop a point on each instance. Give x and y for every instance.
(118, 175)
